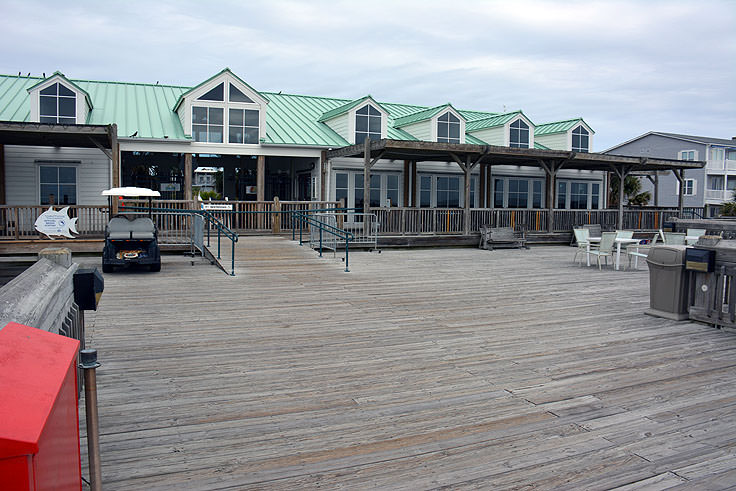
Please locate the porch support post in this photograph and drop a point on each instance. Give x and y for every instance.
(115, 150)
(261, 178)
(2, 174)
(367, 176)
(323, 176)
(467, 168)
(188, 176)
(550, 168)
(680, 175)
(655, 184)
(407, 182)
(621, 172)
(414, 185)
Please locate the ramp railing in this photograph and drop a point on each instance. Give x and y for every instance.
(323, 232)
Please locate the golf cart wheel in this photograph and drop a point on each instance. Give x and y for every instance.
(155, 267)
(106, 268)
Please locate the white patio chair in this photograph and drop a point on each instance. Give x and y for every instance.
(605, 248)
(581, 239)
(640, 250)
(674, 238)
(624, 234)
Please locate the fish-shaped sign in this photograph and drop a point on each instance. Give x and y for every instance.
(52, 223)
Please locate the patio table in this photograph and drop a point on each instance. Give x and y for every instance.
(618, 241)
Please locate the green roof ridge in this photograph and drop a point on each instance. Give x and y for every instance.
(424, 115)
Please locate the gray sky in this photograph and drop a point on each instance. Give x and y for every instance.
(627, 67)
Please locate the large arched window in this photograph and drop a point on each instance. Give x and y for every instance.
(519, 134)
(212, 113)
(580, 140)
(58, 104)
(448, 128)
(367, 124)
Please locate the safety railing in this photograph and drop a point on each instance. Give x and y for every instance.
(18, 222)
(321, 230)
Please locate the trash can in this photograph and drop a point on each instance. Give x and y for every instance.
(668, 282)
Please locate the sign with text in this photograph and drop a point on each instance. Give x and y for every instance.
(52, 223)
(170, 186)
(217, 207)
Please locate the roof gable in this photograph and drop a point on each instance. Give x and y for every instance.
(57, 76)
(560, 126)
(340, 110)
(493, 121)
(425, 114)
(225, 71)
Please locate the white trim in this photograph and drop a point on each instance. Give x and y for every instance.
(507, 130)
(695, 187)
(81, 108)
(352, 114)
(435, 120)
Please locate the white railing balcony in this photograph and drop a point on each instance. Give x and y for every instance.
(715, 164)
(731, 165)
(718, 194)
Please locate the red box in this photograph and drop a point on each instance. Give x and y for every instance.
(39, 419)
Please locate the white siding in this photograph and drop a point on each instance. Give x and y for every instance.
(492, 136)
(340, 126)
(555, 141)
(421, 130)
(21, 173)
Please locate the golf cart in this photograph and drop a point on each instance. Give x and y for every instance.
(129, 238)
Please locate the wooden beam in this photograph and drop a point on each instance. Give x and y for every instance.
(104, 150)
(467, 170)
(188, 176)
(367, 176)
(680, 175)
(2, 174)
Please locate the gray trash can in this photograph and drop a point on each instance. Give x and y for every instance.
(668, 282)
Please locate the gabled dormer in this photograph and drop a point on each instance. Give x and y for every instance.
(357, 120)
(571, 134)
(58, 100)
(508, 130)
(223, 109)
(442, 124)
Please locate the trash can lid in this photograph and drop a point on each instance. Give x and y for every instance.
(667, 255)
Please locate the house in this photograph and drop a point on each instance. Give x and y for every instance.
(274, 145)
(710, 185)
(205, 178)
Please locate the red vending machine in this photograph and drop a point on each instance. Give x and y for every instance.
(39, 422)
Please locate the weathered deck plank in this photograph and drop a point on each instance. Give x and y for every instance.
(419, 369)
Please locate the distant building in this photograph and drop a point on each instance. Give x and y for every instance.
(205, 178)
(711, 185)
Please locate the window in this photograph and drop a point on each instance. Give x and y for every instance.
(717, 154)
(580, 140)
(375, 191)
(392, 190)
(217, 94)
(341, 187)
(536, 194)
(237, 96)
(448, 192)
(715, 183)
(518, 195)
(498, 193)
(367, 124)
(689, 187)
(578, 195)
(57, 104)
(688, 155)
(448, 128)
(519, 134)
(243, 126)
(58, 185)
(473, 183)
(425, 191)
(730, 154)
(595, 196)
(207, 124)
(561, 194)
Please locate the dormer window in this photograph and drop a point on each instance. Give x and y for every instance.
(57, 104)
(519, 134)
(448, 128)
(367, 124)
(580, 140)
(212, 114)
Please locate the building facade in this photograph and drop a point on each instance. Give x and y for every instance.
(711, 185)
(273, 145)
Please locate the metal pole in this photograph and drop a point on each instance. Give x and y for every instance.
(301, 222)
(320, 240)
(347, 240)
(218, 242)
(293, 227)
(89, 363)
(232, 258)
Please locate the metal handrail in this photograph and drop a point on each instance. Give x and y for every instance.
(323, 227)
(222, 229)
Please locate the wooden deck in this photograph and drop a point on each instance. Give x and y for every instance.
(419, 369)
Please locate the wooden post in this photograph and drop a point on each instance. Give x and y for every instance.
(466, 222)
(414, 185)
(407, 182)
(551, 170)
(2, 174)
(367, 176)
(276, 221)
(323, 176)
(188, 176)
(260, 190)
(622, 173)
(115, 150)
(680, 175)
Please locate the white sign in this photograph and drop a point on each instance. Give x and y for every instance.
(170, 186)
(250, 190)
(52, 222)
(217, 207)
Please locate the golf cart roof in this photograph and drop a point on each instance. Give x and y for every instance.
(131, 192)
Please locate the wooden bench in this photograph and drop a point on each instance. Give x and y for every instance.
(491, 237)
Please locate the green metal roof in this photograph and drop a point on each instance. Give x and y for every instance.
(224, 70)
(491, 122)
(423, 115)
(557, 126)
(473, 140)
(146, 111)
(539, 146)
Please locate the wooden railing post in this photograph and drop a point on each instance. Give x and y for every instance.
(276, 222)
